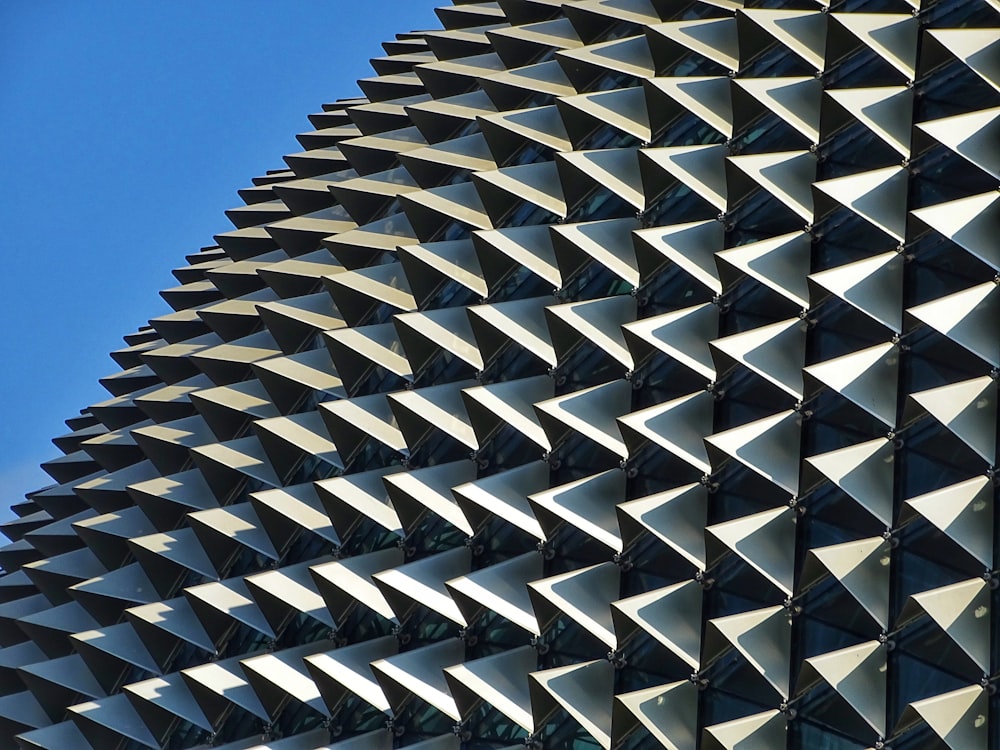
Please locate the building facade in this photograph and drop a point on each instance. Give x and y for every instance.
(614, 374)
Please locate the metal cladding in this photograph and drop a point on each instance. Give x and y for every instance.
(616, 374)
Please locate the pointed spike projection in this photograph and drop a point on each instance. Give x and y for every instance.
(802, 33)
(796, 101)
(421, 495)
(168, 558)
(615, 171)
(690, 247)
(887, 111)
(775, 352)
(370, 295)
(532, 84)
(671, 100)
(503, 497)
(868, 378)
(506, 254)
(224, 531)
(360, 355)
(676, 426)
(293, 513)
(628, 58)
(434, 268)
(786, 176)
(221, 605)
(511, 326)
(54, 736)
(681, 335)
(967, 409)
(699, 169)
(856, 679)
(595, 323)
(766, 446)
(111, 653)
(576, 384)
(879, 197)
(890, 37)
(583, 690)
(419, 675)
(589, 414)
(430, 336)
(873, 285)
(966, 318)
(861, 568)
(958, 718)
(160, 702)
(421, 585)
(436, 413)
(711, 44)
(507, 133)
(346, 585)
(498, 681)
(105, 597)
(962, 612)
(582, 596)
(222, 690)
(975, 47)
(971, 223)
(581, 504)
(601, 246)
(761, 730)
(963, 512)
(592, 19)
(501, 410)
(165, 624)
(665, 712)
(111, 721)
(344, 673)
(55, 681)
(355, 502)
(665, 615)
(439, 120)
(451, 77)
(623, 109)
(281, 678)
(972, 136)
(864, 471)
(763, 541)
(780, 263)
(286, 593)
(676, 517)
(500, 588)
(511, 190)
(534, 34)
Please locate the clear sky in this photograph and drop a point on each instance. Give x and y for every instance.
(126, 128)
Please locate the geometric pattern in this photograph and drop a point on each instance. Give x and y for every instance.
(614, 374)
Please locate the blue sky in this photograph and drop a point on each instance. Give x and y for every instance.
(127, 128)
